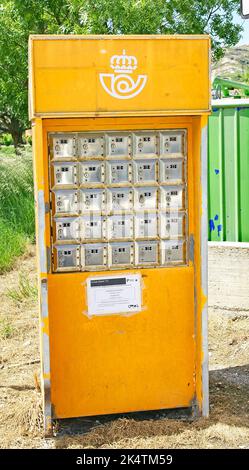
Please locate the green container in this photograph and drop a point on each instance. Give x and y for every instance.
(228, 170)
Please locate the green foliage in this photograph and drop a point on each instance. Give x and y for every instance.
(25, 290)
(20, 18)
(28, 139)
(242, 76)
(17, 223)
(6, 139)
(13, 72)
(214, 17)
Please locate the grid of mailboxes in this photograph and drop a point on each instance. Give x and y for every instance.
(119, 199)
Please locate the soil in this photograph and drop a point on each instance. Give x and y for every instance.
(20, 397)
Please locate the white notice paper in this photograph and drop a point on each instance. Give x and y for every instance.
(114, 294)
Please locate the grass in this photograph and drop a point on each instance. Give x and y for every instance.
(24, 291)
(17, 224)
(6, 329)
(12, 245)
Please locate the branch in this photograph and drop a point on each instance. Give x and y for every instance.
(23, 364)
(212, 12)
(55, 15)
(5, 119)
(10, 39)
(4, 126)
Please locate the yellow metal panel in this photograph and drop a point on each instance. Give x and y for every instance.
(171, 75)
(118, 363)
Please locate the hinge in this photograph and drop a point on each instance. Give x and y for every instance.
(48, 259)
(191, 247)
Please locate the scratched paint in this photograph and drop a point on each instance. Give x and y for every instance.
(216, 217)
(216, 171)
(211, 225)
(219, 228)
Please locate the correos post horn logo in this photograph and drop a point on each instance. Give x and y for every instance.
(120, 84)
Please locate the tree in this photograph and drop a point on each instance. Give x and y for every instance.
(19, 18)
(13, 75)
(214, 17)
(17, 21)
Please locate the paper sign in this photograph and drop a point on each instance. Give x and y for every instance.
(114, 294)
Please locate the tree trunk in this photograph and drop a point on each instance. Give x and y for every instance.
(17, 139)
(14, 127)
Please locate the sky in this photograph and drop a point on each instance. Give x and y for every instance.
(245, 24)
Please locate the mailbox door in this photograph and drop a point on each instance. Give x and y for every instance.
(149, 359)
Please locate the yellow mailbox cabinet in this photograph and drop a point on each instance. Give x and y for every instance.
(120, 133)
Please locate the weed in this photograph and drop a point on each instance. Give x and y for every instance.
(24, 291)
(6, 329)
(16, 192)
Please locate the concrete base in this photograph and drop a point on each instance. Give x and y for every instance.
(228, 276)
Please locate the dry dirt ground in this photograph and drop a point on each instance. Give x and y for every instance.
(20, 409)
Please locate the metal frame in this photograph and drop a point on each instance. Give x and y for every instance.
(133, 157)
(241, 11)
(43, 255)
(204, 274)
(186, 118)
(44, 269)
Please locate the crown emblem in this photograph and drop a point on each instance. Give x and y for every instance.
(120, 84)
(123, 63)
